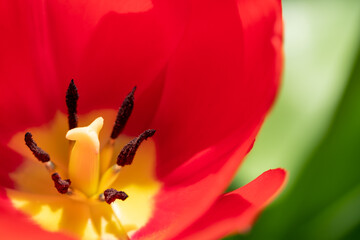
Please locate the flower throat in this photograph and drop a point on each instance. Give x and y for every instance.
(89, 170)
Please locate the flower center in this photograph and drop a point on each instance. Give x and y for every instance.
(70, 194)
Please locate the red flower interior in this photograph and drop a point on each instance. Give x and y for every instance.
(207, 73)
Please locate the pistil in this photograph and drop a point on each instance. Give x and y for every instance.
(84, 164)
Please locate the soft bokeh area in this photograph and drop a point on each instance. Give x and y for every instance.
(314, 129)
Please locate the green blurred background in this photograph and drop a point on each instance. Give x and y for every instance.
(314, 128)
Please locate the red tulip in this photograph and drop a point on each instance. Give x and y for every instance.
(206, 73)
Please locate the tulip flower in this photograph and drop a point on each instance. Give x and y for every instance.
(104, 160)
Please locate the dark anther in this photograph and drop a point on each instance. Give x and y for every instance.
(62, 186)
(71, 102)
(123, 114)
(127, 154)
(112, 194)
(40, 154)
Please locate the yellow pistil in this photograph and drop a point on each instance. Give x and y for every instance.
(84, 164)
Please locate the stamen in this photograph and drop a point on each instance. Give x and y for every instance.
(40, 154)
(127, 154)
(109, 177)
(72, 97)
(110, 195)
(50, 166)
(61, 185)
(106, 155)
(123, 114)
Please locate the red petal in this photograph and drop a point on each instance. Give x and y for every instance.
(215, 99)
(195, 74)
(26, 68)
(236, 211)
(15, 225)
(112, 46)
(223, 77)
(107, 47)
(190, 190)
(9, 162)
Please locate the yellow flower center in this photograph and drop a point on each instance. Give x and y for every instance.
(89, 161)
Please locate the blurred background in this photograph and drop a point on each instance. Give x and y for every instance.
(313, 130)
